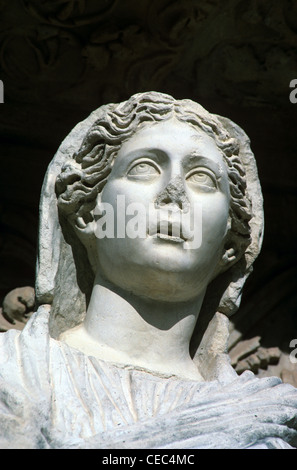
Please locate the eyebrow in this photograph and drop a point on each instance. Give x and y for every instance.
(156, 154)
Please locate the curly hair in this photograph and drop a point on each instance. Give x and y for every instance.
(84, 176)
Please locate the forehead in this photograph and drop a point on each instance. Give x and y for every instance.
(174, 138)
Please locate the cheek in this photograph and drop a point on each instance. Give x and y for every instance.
(215, 216)
(130, 192)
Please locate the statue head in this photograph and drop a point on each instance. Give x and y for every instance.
(89, 164)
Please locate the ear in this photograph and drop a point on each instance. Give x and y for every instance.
(85, 225)
(229, 256)
(230, 252)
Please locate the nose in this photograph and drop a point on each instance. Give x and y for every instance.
(173, 194)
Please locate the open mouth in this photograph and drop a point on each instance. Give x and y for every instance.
(169, 232)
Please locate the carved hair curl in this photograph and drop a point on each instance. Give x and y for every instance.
(84, 177)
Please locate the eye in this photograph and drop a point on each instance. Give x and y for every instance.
(202, 179)
(143, 170)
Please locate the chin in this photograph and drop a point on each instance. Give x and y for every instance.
(168, 293)
(163, 284)
(159, 271)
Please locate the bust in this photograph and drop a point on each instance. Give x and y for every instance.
(151, 218)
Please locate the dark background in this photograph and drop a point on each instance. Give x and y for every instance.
(61, 59)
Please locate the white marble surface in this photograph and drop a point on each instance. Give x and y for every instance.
(129, 345)
(53, 396)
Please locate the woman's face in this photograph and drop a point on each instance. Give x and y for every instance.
(169, 194)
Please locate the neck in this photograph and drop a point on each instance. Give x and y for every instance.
(122, 328)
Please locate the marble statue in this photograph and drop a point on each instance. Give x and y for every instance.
(128, 347)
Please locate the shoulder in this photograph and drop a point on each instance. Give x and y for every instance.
(24, 382)
(24, 352)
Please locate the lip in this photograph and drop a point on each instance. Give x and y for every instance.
(169, 238)
(164, 231)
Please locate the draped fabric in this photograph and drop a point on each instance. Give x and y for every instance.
(53, 396)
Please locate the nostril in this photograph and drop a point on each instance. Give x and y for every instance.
(165, 200)
(171, 200)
